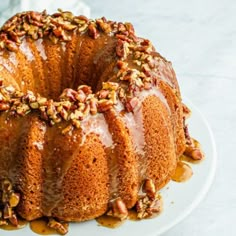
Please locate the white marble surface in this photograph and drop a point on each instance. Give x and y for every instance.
(199, 37)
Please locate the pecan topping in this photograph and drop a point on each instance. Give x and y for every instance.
(75, 105)
(9, 200)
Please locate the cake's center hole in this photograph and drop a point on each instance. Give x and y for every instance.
(93, 63)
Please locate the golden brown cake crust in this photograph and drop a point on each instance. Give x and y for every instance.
(93, 111)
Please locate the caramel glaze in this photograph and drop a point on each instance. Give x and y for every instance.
(188, 159)
(183, 172)
(57, 159)
(40, 227)
(10, 227)
(109, 221)
(112, 222)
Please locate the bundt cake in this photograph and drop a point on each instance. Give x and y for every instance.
(91, 118)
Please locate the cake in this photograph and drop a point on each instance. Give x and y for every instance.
(91, 118)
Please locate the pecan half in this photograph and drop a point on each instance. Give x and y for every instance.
(92, 31)
(61, 228)
(194, 152)
(118, 209)
(149, 188)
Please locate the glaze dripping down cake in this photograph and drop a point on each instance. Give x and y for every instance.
(91, 118)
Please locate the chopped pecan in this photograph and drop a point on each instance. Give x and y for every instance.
(93, 106)
(63, 113)
(14, 37)
(104, 105)
(86, 89)
(80, 96)
(34, 105)
(186, 111)
(129, 27)
(130, 75)
(110, 85)
(29, 97)
(122, 64)
(61, 228)
(11, 46)
(23, 109)
(146, 69)
(92, 31)
(147, 85)
(194, 152)
(13, 219)
(76, 123)
(147, 208)
(121, 93)
(6, 185)
(149, 188)
(131, 104)
(102, 94)
(118, 209)
(78, 115)
(7, 212)
(36, 16)
(122, 49)
(137, 62)
(69, 94)
(186, 133)
(86, 110)
(4, 106)
(5, 197)
(41, 101)
(80, 19)
(112, 97)
(3, 222)
(123, 38)
(67, 129)
(104, 25)
(121, 27)
(83, 28)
